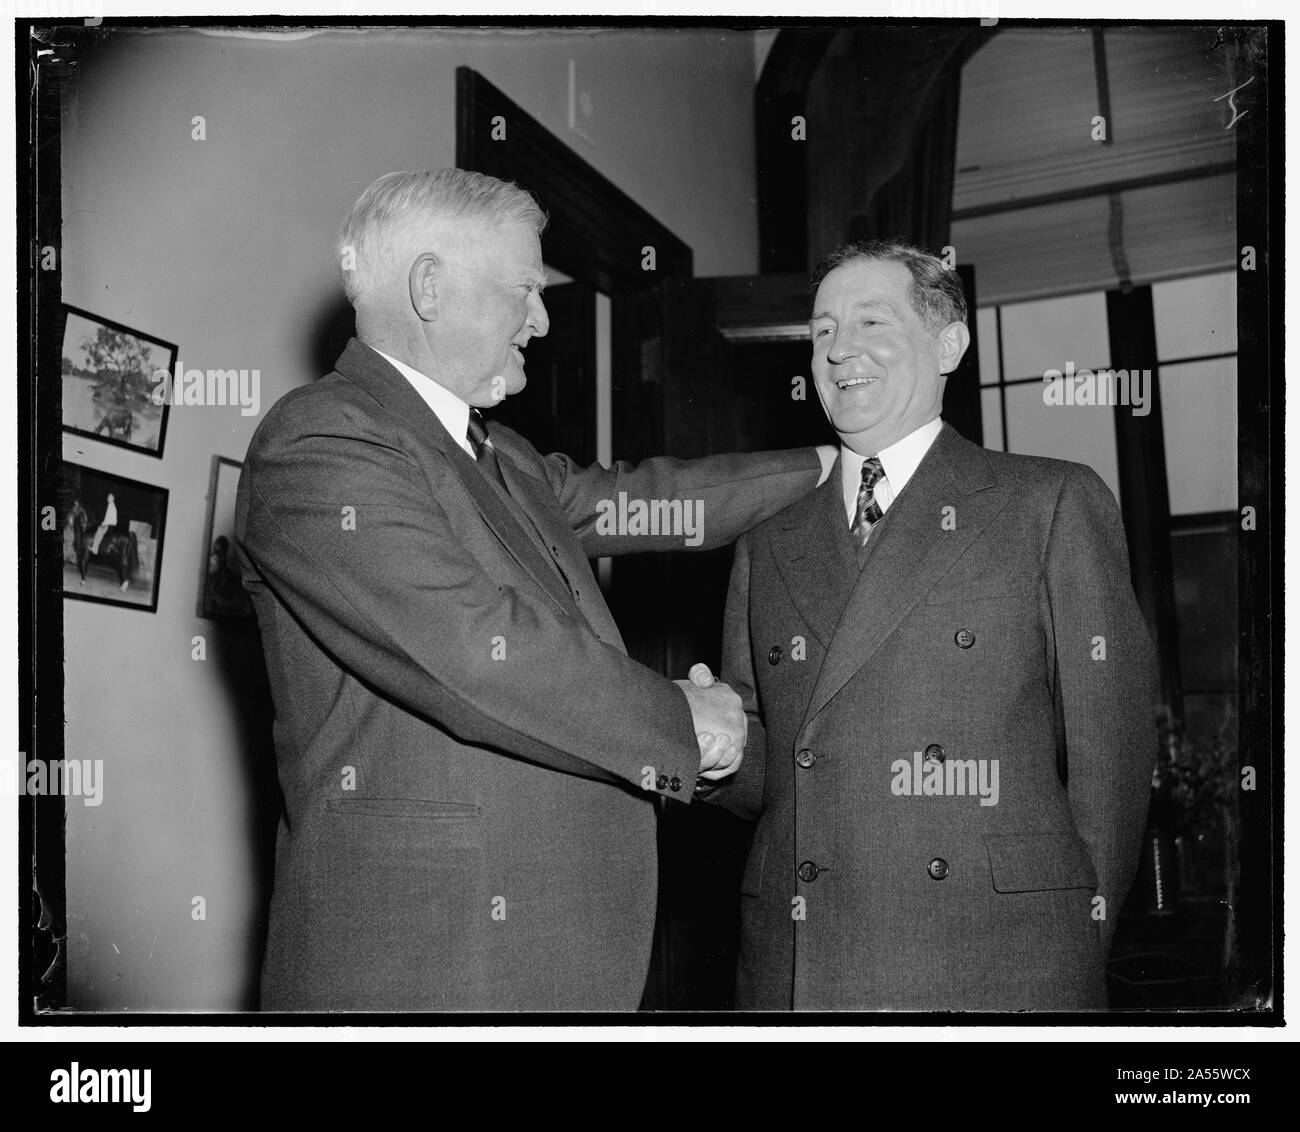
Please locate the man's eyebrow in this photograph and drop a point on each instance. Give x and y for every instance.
(861, 304)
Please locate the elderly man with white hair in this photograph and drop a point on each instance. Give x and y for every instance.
(469, 758)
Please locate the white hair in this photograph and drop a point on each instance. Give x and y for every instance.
(379, 229)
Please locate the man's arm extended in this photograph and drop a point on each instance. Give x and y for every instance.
(1104, 674)
(693, 504)
(397, 599)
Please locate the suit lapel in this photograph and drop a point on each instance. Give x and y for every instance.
(555, 539)
(814, 557)
(364, 367)
(910, 551)
(535, 501)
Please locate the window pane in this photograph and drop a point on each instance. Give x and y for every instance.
(991, 406)
(1082, 433)
(1199, 405)
(1205, 594)
(1048, 333)
(986, 330)
(1196, 316)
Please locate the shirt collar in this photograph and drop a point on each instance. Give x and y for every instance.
(900, 460)
(449, 409)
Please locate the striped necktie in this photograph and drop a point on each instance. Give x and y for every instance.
(867, 513)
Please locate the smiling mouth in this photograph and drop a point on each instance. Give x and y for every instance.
(850, 382)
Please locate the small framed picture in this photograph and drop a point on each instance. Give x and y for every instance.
(112, 538)
(222, 596)
(110, 375)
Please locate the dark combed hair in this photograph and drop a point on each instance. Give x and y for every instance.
(935, 294)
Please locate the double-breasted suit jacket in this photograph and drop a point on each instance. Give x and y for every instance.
(468, 757)
(950, 747)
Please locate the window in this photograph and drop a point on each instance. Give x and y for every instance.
(1022, 343)
(1196, 345)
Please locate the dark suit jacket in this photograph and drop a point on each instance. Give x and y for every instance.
(468, 757)
(1004, 628)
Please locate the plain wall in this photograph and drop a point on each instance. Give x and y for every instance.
(225, 247)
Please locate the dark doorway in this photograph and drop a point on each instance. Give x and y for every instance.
(557, 409)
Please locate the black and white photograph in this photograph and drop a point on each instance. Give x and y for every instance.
(115, 382)
(739, 519)
(112, 538)
(221, 592)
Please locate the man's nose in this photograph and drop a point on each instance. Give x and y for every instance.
(538, 319)
(841, 349)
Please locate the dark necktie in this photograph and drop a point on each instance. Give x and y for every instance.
(867, 513)
(486, 455)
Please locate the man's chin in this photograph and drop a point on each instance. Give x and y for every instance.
(500, 388)
(850, 425)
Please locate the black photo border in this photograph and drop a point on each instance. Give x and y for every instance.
(173, 351)
(162, 493)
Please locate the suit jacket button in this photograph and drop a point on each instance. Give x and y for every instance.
(805, 758)
(661, 783)
(808, 872)
(964, 638)
(774, 655)
(934, 753)
(674, 784)
(938, 868)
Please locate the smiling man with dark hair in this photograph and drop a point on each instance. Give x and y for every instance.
(949, 691)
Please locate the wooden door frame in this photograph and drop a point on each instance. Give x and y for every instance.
(596, 232)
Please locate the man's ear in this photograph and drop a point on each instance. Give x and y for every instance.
(425, 282)
(953, 340)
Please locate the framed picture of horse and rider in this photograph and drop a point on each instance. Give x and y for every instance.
(111, 375)
(112, 537)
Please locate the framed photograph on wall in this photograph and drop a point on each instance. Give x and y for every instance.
(110, 373)
(112, 537)
(221, 593)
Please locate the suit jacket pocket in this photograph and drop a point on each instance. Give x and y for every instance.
(751, 884)
(1038, 862)
(405, 808)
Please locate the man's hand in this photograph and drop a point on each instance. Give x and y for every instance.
(720, 723)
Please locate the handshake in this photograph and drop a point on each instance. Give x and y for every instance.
(720, 724)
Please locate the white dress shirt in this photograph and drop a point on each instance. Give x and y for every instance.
(899, 460)
(449, 409)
